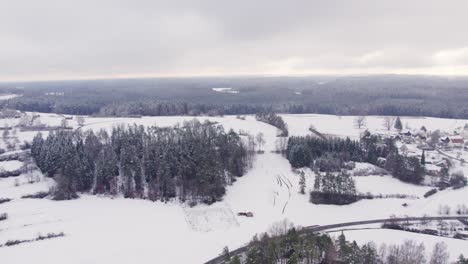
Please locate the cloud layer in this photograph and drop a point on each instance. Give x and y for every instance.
(57, 39)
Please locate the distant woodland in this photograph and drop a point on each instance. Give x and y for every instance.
(397, 95)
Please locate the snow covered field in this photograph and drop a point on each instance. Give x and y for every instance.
(8, 96)
(343, 126)
(118, 230)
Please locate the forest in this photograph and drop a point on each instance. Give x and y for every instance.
(193, 162)
(332, 155)
(395, 95)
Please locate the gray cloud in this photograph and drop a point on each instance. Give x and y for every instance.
(52, 39)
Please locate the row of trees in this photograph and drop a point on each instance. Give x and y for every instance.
(293, 248)
(275, 120)
(171, 108)
(194, 161)
(330, 153)
(388, 122)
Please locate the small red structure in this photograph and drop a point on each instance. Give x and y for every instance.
(246, 214)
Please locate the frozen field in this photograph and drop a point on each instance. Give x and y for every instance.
(118, 230)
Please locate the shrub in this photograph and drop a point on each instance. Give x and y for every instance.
(458, 180)
(38, 238)
(49, 235)
(3, 216)
(430, 192)
(4, 200)
(26, 145)
(38, 195)
(13, 242)
(5, 174)
(332, 198)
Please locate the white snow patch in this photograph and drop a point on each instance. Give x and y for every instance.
(10, 165)
(225, 90)
(8, 96)
(210, 218)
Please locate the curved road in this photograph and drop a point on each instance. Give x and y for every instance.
(315, 228)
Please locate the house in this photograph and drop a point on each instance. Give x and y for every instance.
(425, 146)
(465, 132)
(407, 133)
(457, 142)
(432, 169)
(445, 140)
(422, 137)
(404, 149)
(421, 133)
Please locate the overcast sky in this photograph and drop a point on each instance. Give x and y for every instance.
(62, 39)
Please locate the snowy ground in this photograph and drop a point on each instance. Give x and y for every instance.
(344, 125)
(8, 96)
(390, 237)
(118, 230)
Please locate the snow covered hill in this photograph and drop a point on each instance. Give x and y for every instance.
(117, 230)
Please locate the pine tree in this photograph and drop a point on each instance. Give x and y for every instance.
(226, 254)
(398, 124)
(317, 181)
(302, 183)
(299, 156)
(235, 260)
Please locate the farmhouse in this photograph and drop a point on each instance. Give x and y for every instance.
(432, 170)
(456, 142)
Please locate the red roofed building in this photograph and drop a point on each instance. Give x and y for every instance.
(457, 142)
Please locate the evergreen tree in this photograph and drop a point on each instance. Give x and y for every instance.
(194, 161)
(462, 260)
(226, 254)
(302, 183)
(299, 156)
(398, 124)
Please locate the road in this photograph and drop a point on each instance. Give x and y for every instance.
(315, 228)
(448, 156)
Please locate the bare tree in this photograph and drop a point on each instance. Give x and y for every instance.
(434, 137)
(260, 140)
(251, 143)
(281, 144)
(360, 121)
(80, 120)
(280, 228)
(64, 123)
(388, 122)
(412, 253)
(25, 121)
(440, 254)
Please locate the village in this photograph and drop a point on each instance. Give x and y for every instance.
(441, 152)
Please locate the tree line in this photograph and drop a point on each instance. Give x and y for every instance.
(370, 95)
(273, 119)
(323, 154)
(194, 161)
(295, 248)
(332, 155)
(334, 188)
